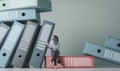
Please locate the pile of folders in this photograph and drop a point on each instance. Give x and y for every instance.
(22, 38)
(110, 52)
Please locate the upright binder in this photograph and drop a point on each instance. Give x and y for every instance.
(40, 5)
(113, 43)
(72, 62)
(26, 44)
(40, 49)
(19, 15)
(102, 53)
(9, 46)
(4, 29)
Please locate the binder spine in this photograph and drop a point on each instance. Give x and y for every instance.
(4, 29)
(40, 5)
(19, 15)
(40, 49)
(25, 47)
(113, 43)
(102, 53)
(72, 62)
(9, 46)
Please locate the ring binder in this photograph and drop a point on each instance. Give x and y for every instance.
(40, 49)
(72, 62)
(19, 15)
(113, 43)
(40, 5)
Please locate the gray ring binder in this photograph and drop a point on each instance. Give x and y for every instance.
(40, 5)
(19, 15)
(40, 49)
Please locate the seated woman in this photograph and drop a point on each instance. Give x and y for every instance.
(54, 47)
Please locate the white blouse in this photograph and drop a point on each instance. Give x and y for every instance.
(53, 46)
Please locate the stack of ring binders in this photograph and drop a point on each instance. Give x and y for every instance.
(22, 37)
(110, 52)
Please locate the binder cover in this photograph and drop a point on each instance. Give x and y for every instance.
(40, 5)
(9, 46)
(4, 29)
(113, 43)
(19, 15)
(102, 53)
(40, 49)
(72, 62)
(26, 44)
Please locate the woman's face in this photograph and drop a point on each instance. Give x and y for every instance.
(54, 39)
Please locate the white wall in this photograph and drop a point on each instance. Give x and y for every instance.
(79, 21)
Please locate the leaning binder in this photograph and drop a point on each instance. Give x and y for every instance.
(26, 44)
(113, 43)
(72, 62)
(19, 15)
(102, 53)
(40, 5)
(9, 46)
(40, 49)
(4, 29)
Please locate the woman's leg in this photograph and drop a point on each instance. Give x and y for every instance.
(52, 54)
(56, 57)
(55, 61)
(52, 60)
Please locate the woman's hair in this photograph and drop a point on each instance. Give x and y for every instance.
(56, 37)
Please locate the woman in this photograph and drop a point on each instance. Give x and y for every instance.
(54, 47)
